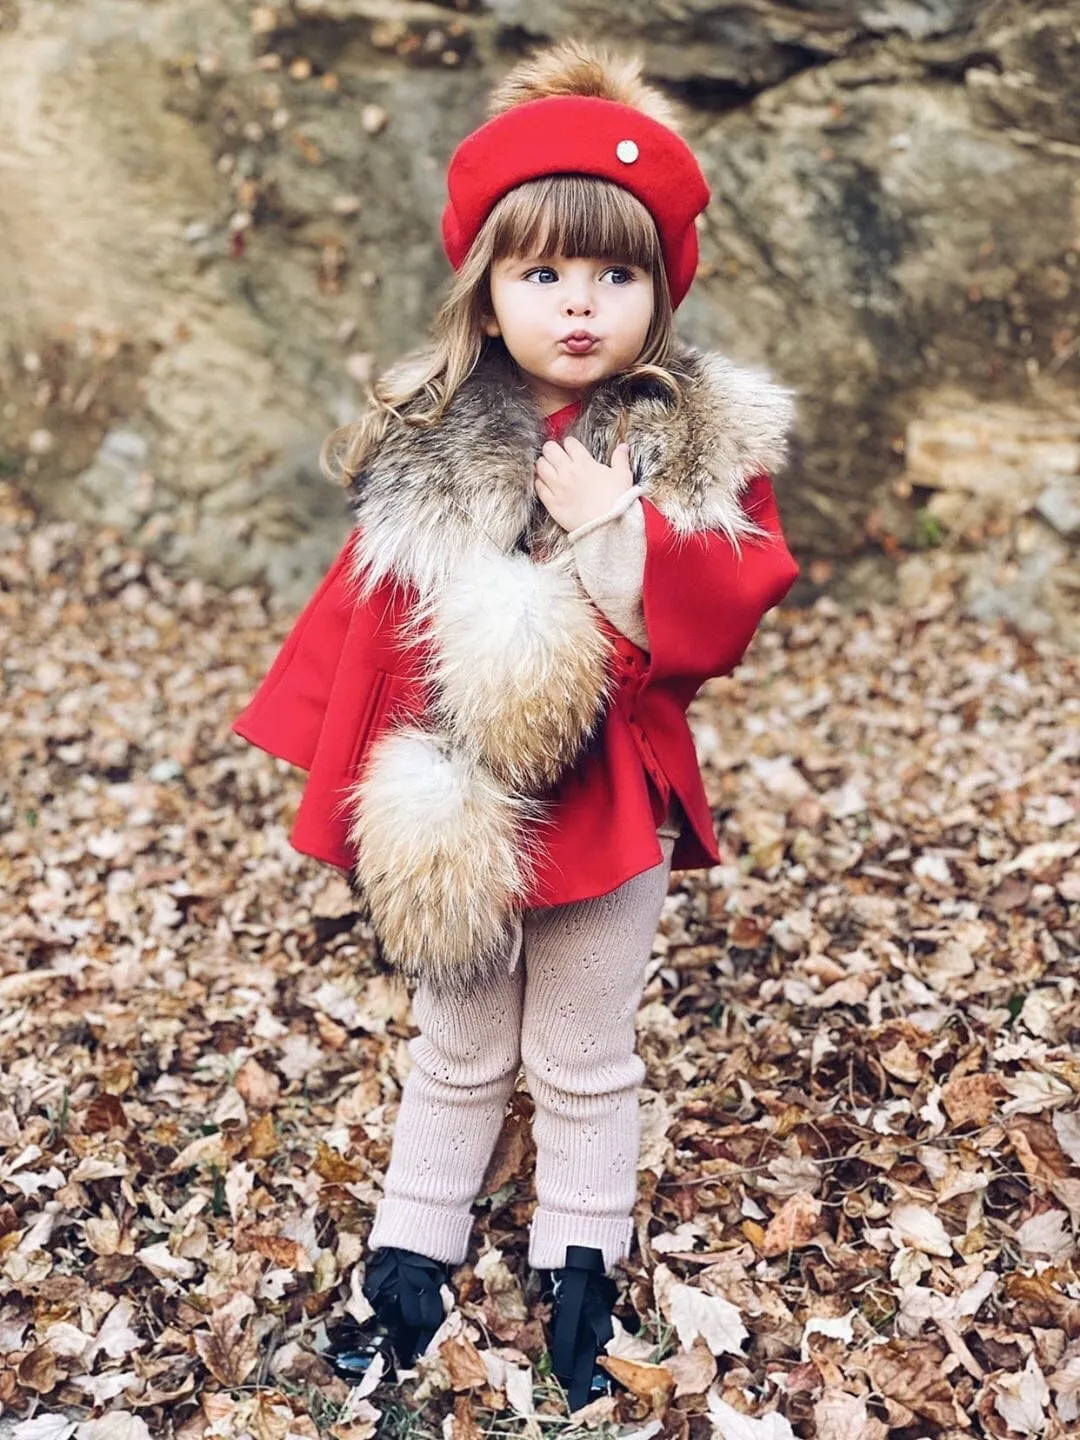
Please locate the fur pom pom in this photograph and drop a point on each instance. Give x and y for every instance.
(574, 68)
(437, 859)
(521, 667)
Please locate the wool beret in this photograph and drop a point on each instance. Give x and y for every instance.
(580, 135)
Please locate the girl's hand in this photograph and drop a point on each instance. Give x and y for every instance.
(574, 488)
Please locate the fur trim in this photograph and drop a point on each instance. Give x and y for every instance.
(438, 861)
(428, 498)
(574, 68)
(694, 461)
(520, 666)
(516, 653)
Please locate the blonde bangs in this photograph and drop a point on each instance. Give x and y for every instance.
(572, 216)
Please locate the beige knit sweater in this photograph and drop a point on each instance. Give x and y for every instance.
(610, 556)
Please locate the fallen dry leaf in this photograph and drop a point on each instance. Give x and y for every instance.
(1021, 1398)
(693, 1370)
(258, 1087)
(920, 1228)
(228, 1350)
(465, 1425)
(654, 1384)
(731, 1424)
(463, 1363)
(839, 1415)
(794, 1225)
(694, 1314)
(972, 1099)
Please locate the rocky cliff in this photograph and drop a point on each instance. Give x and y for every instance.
(217, 217)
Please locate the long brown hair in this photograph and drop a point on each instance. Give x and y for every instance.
(556, 215)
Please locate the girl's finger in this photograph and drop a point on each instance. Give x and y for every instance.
(620, 460)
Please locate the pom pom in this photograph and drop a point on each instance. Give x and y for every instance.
(574, 68)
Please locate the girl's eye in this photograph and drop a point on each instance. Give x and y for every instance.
(620, 274)
(544, 271)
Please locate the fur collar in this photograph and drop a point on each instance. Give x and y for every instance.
(445, 816)
(426, 498)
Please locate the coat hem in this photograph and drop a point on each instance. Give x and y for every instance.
(571, 897)
(251, 735)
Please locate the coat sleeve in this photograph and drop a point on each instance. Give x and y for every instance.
(285, 716)
(703, 598)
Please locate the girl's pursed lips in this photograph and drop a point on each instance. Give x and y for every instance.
(579, 342)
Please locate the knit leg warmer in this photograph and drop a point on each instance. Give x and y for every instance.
(465, 1064)
(567, 1012)
(586, 973)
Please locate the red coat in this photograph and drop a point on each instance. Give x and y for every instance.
(342, 678)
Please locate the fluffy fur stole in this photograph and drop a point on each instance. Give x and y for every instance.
(444, 817)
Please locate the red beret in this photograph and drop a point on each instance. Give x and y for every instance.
(580, 135)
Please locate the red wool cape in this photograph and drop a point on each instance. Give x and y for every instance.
(343, 677)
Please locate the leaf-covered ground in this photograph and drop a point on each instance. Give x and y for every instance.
(860, 1182)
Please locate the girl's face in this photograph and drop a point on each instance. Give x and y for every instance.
(569, 324)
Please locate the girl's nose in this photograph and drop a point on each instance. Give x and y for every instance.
(578, 303)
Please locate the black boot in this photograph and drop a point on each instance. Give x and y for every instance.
(403, 1288)
(583, 1296)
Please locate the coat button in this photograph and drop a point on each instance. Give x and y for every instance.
(627, 151)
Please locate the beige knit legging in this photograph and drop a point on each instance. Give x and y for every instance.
(567, 1013)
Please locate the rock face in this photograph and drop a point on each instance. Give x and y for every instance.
(1002, 481)
(218, 216)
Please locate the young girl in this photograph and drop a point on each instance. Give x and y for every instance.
(564, 526)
